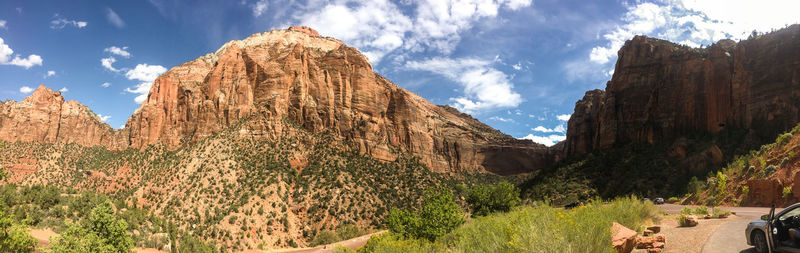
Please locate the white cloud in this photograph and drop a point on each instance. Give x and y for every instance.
(557, 129)
(106, 85)
(118, 51)
(146, 74)
(546, 140)
(25, 89)
(114, 19)
(564, 117)
(49, 73)
(104, 118)
(2, 23)
(107, 63)
(694, 22)
(260, 7)
(379, 27)
(501, 119)
(484, 87)
(63, 89)
(517, 66)
(5, 57)
(60, 23)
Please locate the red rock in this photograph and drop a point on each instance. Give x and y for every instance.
(655, 229)
(764, 192)
(662, 91)
(622, 239)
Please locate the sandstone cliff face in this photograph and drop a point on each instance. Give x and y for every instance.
(319, 84)
(661, 91)
(46, 117)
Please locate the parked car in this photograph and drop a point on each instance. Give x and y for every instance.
(658, 201)
(771, 232)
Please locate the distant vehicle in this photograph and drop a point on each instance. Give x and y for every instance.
(771, 232)
(572, 205)
(659, 201)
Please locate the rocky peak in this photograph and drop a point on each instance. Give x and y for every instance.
(305, 29)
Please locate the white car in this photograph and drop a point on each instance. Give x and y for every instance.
(771, 232)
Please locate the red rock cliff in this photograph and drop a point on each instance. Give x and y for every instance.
(319, 84)
(661, 91)
(46, 117)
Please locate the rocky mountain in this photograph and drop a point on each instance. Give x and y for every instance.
(46, 117)
(661, 91)
(295, 75)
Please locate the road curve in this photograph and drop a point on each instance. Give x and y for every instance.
(729, 237)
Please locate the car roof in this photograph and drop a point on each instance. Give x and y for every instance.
(788, 208)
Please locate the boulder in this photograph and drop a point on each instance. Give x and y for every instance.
(623, 239)
(690, 221)
(655, 229)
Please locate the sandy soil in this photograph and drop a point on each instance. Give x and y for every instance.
(688, 239)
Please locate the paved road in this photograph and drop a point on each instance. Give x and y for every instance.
(730, 236)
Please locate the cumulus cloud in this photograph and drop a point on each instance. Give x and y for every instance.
(118, 51)
(694, 22)
(2, 23)
(483, 86)
(6, 53)
(49, 73)
(549, 140)
(146, 74)
(107, 63)
(104, 118)
(59, 23)
(106, 85)
(557, 129)
(379, 27)
(564, 117)
(114, 19)
(63, 89)
(260, 7)
(25, 89)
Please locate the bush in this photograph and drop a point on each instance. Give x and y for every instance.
(325, 237)
(787, 192)
(347, 231)
(686, 211)
(701, 210)
(768, 171)
(500, 197)
(673, 200)
(14, 238)
(101, 232)
(783, 138)
(718, 212)
(438, 216)
(683, 220)
(694, 186)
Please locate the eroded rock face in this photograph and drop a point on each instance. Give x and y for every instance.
(46, 117)
(661, 91)
(318, 84)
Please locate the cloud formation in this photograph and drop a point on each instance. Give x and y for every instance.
(147, 74)
(5, 57)
(60, 23)
(2, 23)
(104, 118)
(107, 63)
(549, 140)
(49, 73)
(118, 51)
(114, 19)
(25, 89)
(564, 117)
(106, 85)
(483, 86)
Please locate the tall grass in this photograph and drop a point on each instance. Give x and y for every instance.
(535, 229)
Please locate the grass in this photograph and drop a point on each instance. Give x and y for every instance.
(540, 228)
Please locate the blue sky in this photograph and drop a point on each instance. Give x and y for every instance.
(517, 65)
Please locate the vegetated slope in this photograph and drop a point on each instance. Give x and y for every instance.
(764, 176)
(319, 83)
(236, 190)
(671, 112)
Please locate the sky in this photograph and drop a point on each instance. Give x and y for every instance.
(516, 65)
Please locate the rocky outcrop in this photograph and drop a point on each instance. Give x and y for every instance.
(46, 117)
(661, 91)
(318, 84)
(279, 82)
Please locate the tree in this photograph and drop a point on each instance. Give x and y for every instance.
(438, 216)
(501, 197)
(101, 232)
(14, 238)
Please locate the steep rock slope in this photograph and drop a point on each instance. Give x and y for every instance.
(321, 85)
(46, 117)
(661, 91)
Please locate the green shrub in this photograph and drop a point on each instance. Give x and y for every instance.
(102, 231)
(686, 210)
(787, 192)
(768, 171)
(683, 220)
(500, 197)
(673, 200)
(14, 238)
(701, 210)
(324, 237)
(718, 212)
(438, 215)
(347, 231)
(694, 186)
(784, 162)
(783, 138)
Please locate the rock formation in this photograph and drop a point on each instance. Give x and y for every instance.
(289, 76)
(46, 117)
(661, 91)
